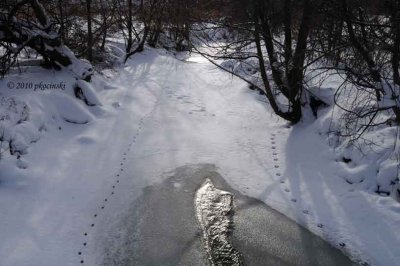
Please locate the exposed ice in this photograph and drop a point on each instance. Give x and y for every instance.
(213, 207)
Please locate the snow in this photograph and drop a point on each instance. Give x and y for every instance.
(89, 93)
(159, 113)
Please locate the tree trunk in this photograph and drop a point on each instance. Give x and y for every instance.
(395, 61)
(130, 29)
(296, 73)
(288, 33)
(293, 115)
(89, 28)
(62, 20)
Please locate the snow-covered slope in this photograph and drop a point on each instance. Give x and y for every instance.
(160, 113)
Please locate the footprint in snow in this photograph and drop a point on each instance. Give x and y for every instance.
(200, 110)
(85, 140)
(22, 164)
(116, 105)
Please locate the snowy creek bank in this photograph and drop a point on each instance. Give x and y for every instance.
(160, 228)
(79, 182)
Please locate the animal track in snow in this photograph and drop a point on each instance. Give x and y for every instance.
(103, 205)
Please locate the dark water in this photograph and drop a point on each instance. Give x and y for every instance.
(161, 228)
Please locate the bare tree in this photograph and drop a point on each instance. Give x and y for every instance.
(280, 48)
(364, 44)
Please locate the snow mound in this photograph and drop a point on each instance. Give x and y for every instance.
(70, 110)
(88, 93)
(12, 111)
(26, 115)
(370, 163)
(16, 131)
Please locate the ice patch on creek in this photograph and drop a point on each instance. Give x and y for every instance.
(213, 207)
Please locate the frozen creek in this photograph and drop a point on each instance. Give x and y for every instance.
(169, 224)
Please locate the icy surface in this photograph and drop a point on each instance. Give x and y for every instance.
(213, 208)
(160, 228)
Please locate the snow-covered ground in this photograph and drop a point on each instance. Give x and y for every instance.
(156, 114)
